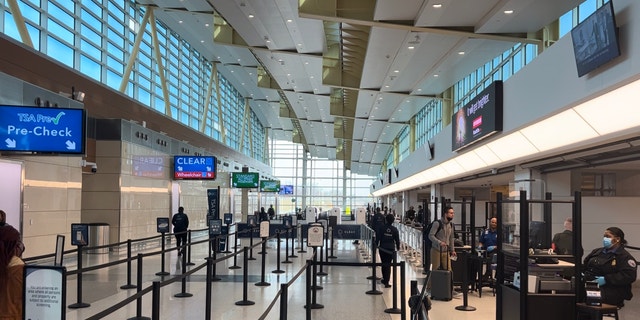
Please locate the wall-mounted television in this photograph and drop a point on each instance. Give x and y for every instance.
(42, 130)
(269, 185)
(286, 189)
(194, 167)
(245, 179)
(595, 40)
(479, 118)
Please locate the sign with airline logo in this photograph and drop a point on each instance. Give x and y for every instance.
(34, 129)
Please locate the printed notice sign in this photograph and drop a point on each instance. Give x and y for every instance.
(264, 229)
(44, 292)
(315, 236)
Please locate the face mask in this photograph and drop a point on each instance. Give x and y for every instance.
(449, 219)
(606, 242)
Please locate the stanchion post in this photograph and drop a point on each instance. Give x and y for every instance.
(162, 254)
(394, 309)
(138, 290)
(373, 277)
(263, 283)
(155, 302)
(331, 243)
(321, 272)
(284, 297)
(251, 244)
(308, 291)
(316, 287)
(465, 285)
(208, 293)
(293, 238)
(278, 270)
(79, 304)
(403, 291)
(189, 263)
(245, 289)
(184, 293)
(129, 285)
(286, 247)
(235, 255)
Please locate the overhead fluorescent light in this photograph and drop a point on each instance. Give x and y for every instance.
(487, 155)
(511, 147)
(557, 131)
(613, 111)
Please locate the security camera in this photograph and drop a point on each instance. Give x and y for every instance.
(93, 165)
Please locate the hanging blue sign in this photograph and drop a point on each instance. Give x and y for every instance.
(34, 129)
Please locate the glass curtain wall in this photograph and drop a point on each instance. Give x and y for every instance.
(96, 38)
(319, 183)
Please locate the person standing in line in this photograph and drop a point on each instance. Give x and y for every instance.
(263, 216)
(442, 245)
(612, 268)
(562, 242)
(410, 215)
(388, 239)
(377, 221)
(11, 273)
(180, 223)
(271, 212)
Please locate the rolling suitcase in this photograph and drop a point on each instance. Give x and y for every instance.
(441, 282)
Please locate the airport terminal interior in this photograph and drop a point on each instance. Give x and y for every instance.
(116, 113)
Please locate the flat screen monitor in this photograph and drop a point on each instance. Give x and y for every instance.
(269, 186)
(286, 189)
(479, 118)
(245, 179)
(194, 167)
(595, 40)
(42, 130)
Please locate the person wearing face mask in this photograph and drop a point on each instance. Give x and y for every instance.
(612, 267)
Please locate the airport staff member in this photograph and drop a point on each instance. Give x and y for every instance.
(388, 243)
(180, 223)
(489, 241)
(562, 242)
(612, 267)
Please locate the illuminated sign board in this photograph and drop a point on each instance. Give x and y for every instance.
(478, 119)
(194, 167)
(49, 130)
(245, 179)
(269, 186)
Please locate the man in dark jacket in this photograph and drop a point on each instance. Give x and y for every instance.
(180, 223)
(388, 239)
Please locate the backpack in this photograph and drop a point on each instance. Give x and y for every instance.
(427, 242)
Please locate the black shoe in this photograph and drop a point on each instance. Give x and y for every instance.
(386, 285)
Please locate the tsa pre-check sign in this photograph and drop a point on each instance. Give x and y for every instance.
(34, 129)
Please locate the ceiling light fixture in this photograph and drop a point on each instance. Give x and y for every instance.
(251, 16)
(461, 53)
(437, 5)
(508, 11)
(411, 47)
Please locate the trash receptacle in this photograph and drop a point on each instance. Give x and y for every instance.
(98, 236)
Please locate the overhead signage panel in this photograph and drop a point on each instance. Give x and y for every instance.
(194, 167)
(35, 129)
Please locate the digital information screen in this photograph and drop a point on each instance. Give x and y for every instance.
(194, 167)
(34, 129)
(479, 118)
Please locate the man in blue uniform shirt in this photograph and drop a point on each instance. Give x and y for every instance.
(489, 242)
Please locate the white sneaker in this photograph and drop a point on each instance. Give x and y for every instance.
(456, 295)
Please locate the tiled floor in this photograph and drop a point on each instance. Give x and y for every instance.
(344, 294)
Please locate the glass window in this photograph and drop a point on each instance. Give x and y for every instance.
(60, 51)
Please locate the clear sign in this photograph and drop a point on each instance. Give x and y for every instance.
(35, 129)
(194, 167)
(45, 292)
